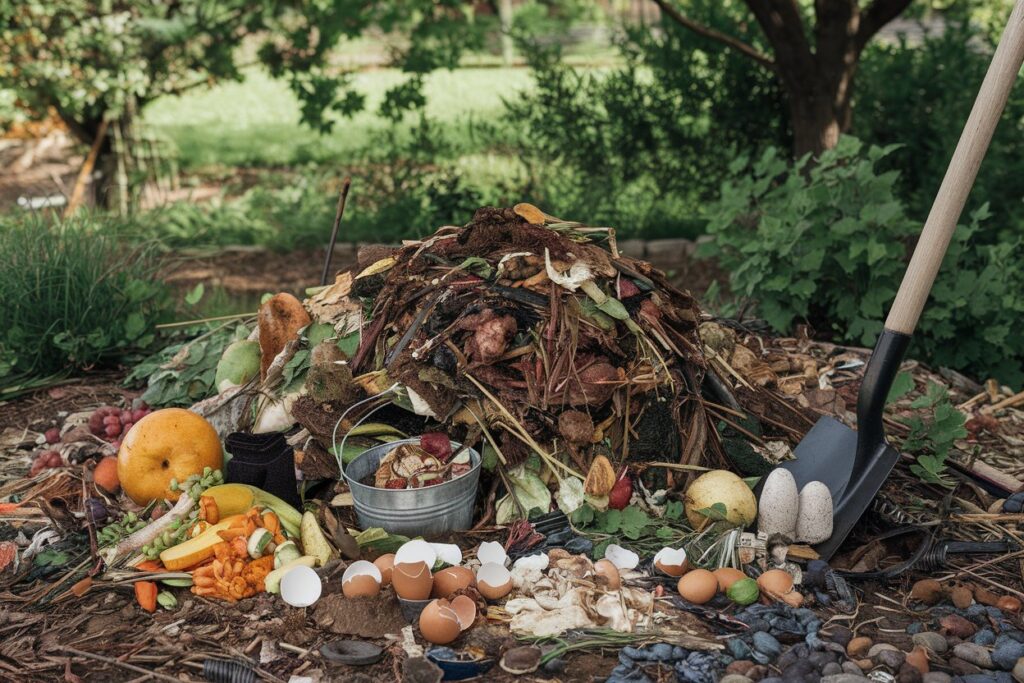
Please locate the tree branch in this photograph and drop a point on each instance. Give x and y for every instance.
(708, 32)
(875, 16)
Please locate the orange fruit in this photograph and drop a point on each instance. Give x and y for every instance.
(167, 444)
(105, 475)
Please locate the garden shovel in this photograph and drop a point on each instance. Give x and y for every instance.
(855, 464)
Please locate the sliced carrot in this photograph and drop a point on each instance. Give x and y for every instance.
(208, 509)
(82, 587)
(9, 507)
(145, 594)
(231, 534)
(149, 566)
(271, 523)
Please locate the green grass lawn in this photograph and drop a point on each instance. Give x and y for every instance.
(256, 122)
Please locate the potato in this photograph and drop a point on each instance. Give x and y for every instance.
(280, 319)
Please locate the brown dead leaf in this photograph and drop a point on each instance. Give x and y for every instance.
(529, 212)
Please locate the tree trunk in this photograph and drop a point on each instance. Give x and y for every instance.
(818, 118)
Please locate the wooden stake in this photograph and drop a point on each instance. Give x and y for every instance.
(86, 170)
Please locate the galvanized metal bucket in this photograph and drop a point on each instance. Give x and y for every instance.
(428, 511)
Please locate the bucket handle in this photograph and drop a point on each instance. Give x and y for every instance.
(339, 452)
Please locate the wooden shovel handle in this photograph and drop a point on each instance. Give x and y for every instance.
(959, 178)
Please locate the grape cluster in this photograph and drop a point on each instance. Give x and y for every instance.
(44, 460)
(178, 533)
(112, 423)
(197, 483)
(114, 532)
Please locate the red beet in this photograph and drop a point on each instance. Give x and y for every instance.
(125, 416)
(437, 444)
(621, 492)
(138, 414)
(52, 435)
(111, 420)
(627, 288)
(113, 430)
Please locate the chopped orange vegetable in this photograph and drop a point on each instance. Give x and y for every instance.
(82, 587)
(231, 534)
(149, 566)
(239, 547)
(208, 509)
(145, 594)
(271, 523)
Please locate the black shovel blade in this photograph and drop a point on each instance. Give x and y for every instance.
(829, 454)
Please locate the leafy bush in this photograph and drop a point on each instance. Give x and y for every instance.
(642, 146)
(828, 243)
(919, 96)
(76, 294)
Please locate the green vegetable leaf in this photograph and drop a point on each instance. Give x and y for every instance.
(902, 385)
(195, 294)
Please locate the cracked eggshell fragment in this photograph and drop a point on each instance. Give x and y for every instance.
(493, 581)
(361, 579)
(539, 561)
(415, 551)
(671, 561)
(449, 553)
(492, 552)
(622, 558)
(301, 587)
(779, 505)
(814, 520)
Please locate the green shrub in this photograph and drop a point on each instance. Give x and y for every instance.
(643, 146)
(828, 243)
(76, 294)
(919, 96)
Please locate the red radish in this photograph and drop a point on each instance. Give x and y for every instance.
(138, 414)
(437, 444)
(52, 435)
(627, 288)
(113, 430)
(621, 492)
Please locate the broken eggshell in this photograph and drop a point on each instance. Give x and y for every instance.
(412, 580)
(452, 579)
(416, 551)
(439, 623)
(622, 558)
(361, 579)
(449, 553)
(814, 520)
(538, 562)
(493, 581)
(779, 504)
(671, 561)
(386, 565)
(492, 552)
(465, 607)
(301, 587)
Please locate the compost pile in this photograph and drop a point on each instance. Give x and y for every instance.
(609, 421)
(529, 337)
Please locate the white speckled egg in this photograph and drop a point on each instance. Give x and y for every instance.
(777, 509)
(814, 521)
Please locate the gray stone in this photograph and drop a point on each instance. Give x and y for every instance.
(840, 634)
(831, 669)
(890, 658)
(670, 250)
(766, 644)
(879, 647)
(1007, 653)
(908, 674)
(936, 677)
(852, 669)
(844, 678)
(984, 637)
(634, 248)
(962, 668)
(977, 655)
(930, 640)
(734, 678)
